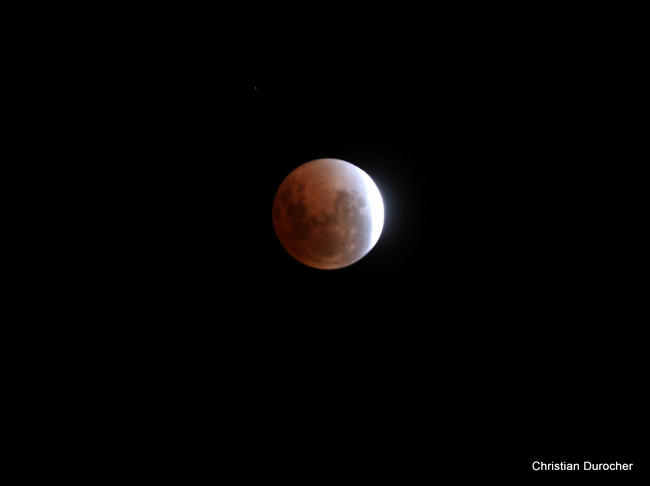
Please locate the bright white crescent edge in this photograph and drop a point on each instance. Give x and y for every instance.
(376, 205)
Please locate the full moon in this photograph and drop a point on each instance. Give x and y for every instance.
(328, 213)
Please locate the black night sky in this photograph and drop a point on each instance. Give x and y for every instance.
(479, 328)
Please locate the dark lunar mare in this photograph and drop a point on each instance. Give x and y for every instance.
(348, 214)
(322, 232)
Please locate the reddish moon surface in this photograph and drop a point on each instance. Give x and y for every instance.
(328, 213)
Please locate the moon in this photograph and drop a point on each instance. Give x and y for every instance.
(328, 214)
